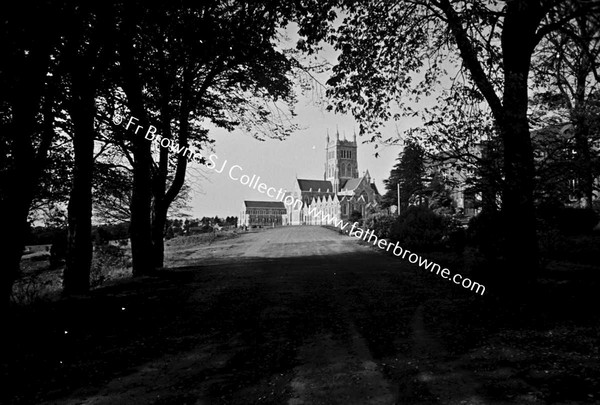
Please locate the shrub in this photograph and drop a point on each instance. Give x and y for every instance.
(484, 233)
(456, 237)
(58, 251)
(30, 288)
(355, 216)
(107, 260)
(420, 228)
(572, 221)
(551, 242)
(381, 224)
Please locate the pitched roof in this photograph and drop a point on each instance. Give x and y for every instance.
(351, 184)
(315, 185)
(374, 187)
(264, 204)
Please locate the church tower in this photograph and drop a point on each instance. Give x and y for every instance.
(341, 161)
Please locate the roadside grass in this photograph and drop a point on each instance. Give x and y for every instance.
(110, 263)
(39, 282)
(541, 350)
(60, 346)
(202, 238)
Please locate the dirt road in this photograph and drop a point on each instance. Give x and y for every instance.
(292, 315)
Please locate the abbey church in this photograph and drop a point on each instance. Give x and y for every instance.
(339, 194)
(341, 191)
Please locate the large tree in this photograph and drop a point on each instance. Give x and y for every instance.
(214, 61)
(568, 88)
(392, 51)
(29, 92)
(88, 53)
(409, 173)
(178, 65)
(459, 135)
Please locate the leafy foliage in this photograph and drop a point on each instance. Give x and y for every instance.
(439, 199)
(419, 228)
(567, 94)
(381, 223)
(485, 233)
(409, 173)
(107, 260)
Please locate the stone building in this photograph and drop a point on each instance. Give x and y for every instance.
(262, 214)
(341, 192)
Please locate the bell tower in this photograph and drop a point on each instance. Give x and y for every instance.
(341, 160)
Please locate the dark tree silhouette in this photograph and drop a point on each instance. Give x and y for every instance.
(567, 72)
(393, 51)
(216, 61)
(88, 53)
(409, 172)
(28, 90)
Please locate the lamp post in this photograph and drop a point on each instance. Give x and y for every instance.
(398, 186)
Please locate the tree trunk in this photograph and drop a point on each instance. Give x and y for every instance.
(141, 199)
(520, 239)
(159, 220)
(160, 208)
(76, 278)
(141, 209)
(520, 247)
(16, 203)
(522, 19)
(489, 170)
(19, 192)
(583, 163)
(580, 117)
(163, 198)
(87, 56)
(27, 163)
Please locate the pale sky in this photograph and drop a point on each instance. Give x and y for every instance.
(279, 162)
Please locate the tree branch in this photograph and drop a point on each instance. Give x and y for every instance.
(469, 56)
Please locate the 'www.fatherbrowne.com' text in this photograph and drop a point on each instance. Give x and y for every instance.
(397, 250)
